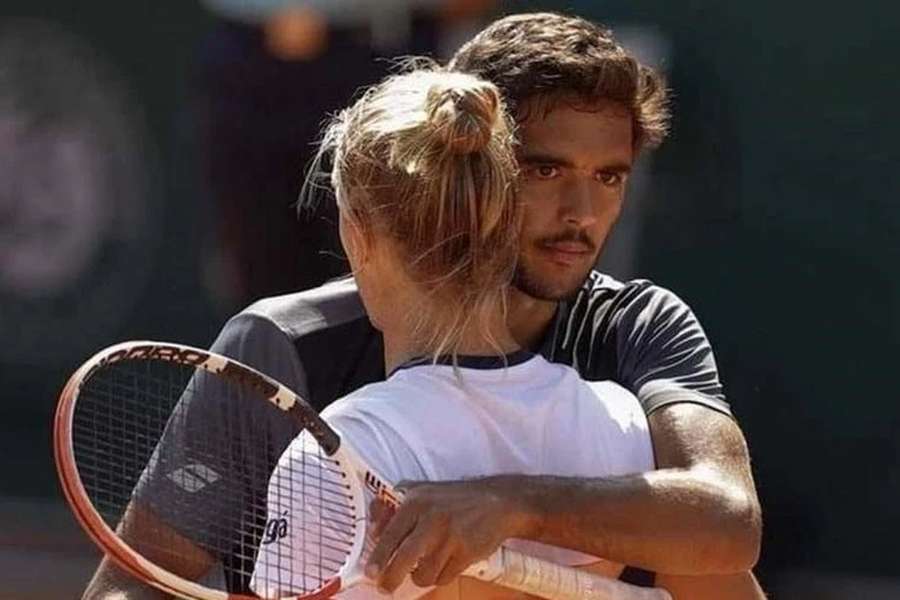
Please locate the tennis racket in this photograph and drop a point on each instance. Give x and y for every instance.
(121, 428)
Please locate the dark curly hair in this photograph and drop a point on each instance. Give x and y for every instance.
(540, 59)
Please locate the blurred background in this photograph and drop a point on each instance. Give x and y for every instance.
(150, 154)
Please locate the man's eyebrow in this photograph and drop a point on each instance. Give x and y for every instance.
(543, 158)
(618, 167)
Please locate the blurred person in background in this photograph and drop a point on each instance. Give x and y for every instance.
(268, 73)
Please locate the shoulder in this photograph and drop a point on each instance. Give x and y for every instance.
(631, 430)
(641, 335)
(606, 310)
(377, 424)
(384, 404)
(619, 405)
(291, 317)
(318, 342)
(412, 404)
(302, 313)
(608, 416)
(623, 406)
(602, 292)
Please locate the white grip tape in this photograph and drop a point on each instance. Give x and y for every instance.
(538, 577)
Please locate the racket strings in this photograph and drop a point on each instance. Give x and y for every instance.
(171, 441)
(310, 492)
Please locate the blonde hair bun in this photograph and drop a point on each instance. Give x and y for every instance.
(462, 112)
(426, 160)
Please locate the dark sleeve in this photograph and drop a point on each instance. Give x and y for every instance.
(663, 354)
(208, 475)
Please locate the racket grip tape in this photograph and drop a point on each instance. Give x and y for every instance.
(538, 577)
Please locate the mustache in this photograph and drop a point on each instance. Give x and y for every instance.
(569, 235)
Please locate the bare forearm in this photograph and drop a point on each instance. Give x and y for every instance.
(697, 515)
(111, 583)
(139, 528)
(739, 586)
(670, 521)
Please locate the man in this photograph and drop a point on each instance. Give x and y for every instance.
(580, 128)
(585, 108)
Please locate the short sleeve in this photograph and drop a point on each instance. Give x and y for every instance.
(663, 354)
(379, 444)
(219, 447)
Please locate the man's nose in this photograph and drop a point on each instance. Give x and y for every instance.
(578, 205)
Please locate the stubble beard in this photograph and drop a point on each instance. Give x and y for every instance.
(531, 284)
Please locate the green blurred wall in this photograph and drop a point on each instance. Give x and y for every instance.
(775, 213)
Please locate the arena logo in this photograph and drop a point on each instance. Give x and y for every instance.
(76, 223)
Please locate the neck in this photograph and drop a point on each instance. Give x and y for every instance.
(529, 318)
(400, 346)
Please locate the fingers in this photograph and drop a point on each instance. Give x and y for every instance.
(431, 565)
(432, 536)
(452, 569)
(411, 549)
(380, 514)
(391, 535)
(381, 511)
(410, 541)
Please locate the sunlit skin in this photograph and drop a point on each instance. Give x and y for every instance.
(575, 162)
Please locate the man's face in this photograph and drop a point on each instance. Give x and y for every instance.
(575, 162)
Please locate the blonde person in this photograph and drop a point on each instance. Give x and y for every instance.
(424, 178)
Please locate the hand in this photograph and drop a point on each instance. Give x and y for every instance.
(441, 528)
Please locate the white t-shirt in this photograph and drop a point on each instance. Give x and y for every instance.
(436, 423)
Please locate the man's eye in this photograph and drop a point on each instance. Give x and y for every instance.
(608, 178)
(546, 171)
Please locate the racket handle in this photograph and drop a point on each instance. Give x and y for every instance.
(549, 580)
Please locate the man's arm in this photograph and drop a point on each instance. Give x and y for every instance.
(697, 515)
(706, 452)
(663, 355)
(740, 586)
(176, 513)
(182, 557)
(111, 583)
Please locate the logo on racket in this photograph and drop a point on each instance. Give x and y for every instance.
(164, 352)
(381, 490)
(193, 477)
(276, 529)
